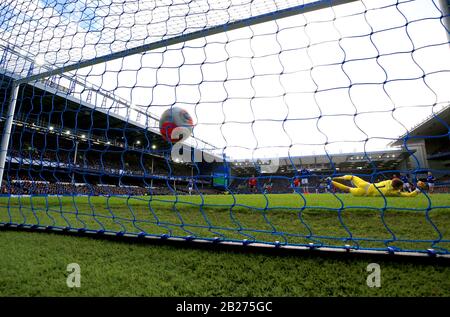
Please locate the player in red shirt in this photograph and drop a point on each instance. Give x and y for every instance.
(252, 182)
(296, 183)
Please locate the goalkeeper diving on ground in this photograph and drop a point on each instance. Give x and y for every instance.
(388, 188)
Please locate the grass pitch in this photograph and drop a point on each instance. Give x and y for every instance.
(35, 263)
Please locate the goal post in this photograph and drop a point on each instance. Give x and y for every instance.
(445, 7)
(6, 135)
(286, 124)
(271, 16)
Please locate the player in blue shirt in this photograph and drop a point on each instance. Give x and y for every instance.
(430, 182)
(406, 183)
(304, 175)
(190, 186)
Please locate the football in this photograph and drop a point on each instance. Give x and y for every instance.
(175, 123)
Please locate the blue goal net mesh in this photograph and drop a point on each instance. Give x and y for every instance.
(317, 124)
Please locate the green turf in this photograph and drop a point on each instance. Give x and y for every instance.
(319, 219)
(35, 263)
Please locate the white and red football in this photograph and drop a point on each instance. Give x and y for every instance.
(175, 123)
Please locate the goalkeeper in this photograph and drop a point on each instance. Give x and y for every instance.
(388, 188)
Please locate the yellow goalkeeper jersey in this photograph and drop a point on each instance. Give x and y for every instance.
(385, 187)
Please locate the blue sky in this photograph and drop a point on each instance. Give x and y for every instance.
(80, 11)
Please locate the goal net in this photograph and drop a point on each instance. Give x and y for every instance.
(315, 124)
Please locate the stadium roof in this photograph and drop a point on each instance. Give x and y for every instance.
(14, 63)
(77, 116)
(434, 125)
(383, 160)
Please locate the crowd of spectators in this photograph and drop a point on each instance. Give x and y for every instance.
(96, 163)
(23, 185)
(47, 188)
(133, 166)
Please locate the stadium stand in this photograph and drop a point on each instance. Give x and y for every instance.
(430, 144)
(105, 153)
